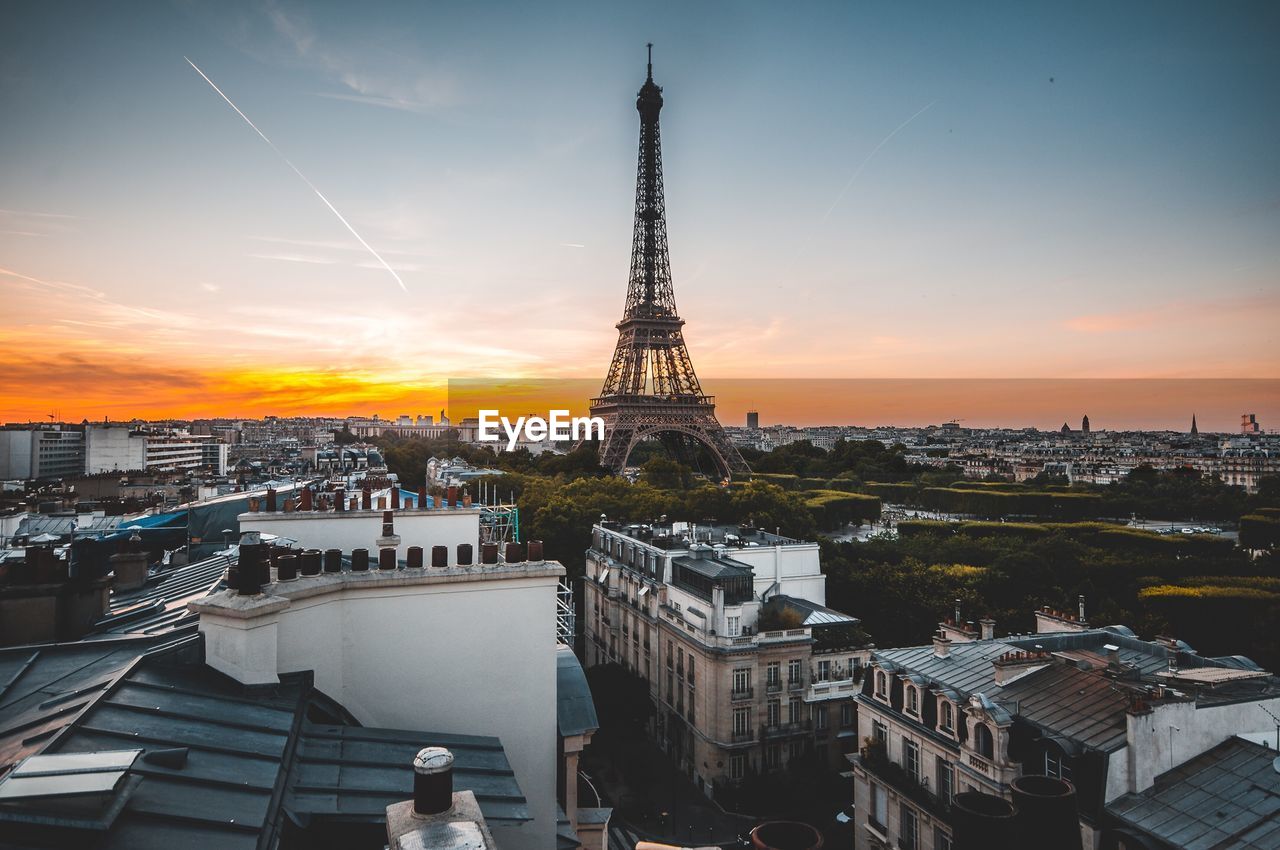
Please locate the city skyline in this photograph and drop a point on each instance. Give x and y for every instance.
(912, 195)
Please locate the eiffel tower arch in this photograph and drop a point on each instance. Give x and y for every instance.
(651, 390)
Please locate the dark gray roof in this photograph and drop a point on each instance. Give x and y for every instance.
(966, 669)
(161, 605)
(715, 567)
(1228, 797)
(356, 772)
(44, 688)
(575, 710)
(254, 756)
(811, 613)
(1065, 702)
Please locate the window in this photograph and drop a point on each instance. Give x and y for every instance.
(733, 626)
(882, 689)
(909, 834)
(941, 839)
(795, 749)
(741, 681)
(670, 656)
(741, 722)
(946, 780)
(947, 715)
(982, 741)
(911, 759)
(879, 812)
(793, 671)
(913, 700)
(775, 712)
(773, 756)
(879, 732)
(691, 718)
(690, 677)
(680, 663)
(846, 715)
(824, 670)
(793, 710)
(773, 674)
(737, 767)
(820, 717)
(1055, 764)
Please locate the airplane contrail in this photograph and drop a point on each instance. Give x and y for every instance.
(303, 177)
(868, 157)
(857, 171)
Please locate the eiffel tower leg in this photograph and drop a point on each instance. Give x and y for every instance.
(618, 439)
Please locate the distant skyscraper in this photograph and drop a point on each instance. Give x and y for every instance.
(1249, 424)
(1084, 424)
(1194, 430)
(753, 420)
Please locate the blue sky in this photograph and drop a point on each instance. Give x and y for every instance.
(853, 189)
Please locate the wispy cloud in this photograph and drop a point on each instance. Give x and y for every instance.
(1176, 313)
(395, 82)
(297, 258)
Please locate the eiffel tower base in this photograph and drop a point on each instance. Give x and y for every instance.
(626, 424)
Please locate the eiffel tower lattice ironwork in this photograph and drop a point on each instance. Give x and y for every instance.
(651, 390)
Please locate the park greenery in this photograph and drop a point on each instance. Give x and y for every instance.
(1021, 546)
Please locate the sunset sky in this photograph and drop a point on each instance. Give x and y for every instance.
(853, 191)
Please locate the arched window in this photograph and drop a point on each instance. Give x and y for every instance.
(881, 690)
(947, 716)
(913, 700)
(982, 741)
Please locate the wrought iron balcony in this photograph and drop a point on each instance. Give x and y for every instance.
(874, 761)
(742, 693)
(782, 730)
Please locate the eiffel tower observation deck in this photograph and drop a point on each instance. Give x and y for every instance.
(651, 391)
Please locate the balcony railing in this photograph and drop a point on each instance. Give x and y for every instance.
(742, 737)
(773, 687)
(980, 764)
(781, 730)
(795, 684)
(742, 693)
(874, 760)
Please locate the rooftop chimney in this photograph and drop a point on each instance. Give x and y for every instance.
(941, 644)
(1081, 615)
(988, 627)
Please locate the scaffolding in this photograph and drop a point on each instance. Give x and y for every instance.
(566, 617)
(499, 523)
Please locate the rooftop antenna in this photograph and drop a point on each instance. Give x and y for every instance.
(650, 46)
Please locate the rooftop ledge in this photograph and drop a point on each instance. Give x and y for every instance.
(279, 595)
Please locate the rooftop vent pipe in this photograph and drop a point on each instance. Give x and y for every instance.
(432, 781)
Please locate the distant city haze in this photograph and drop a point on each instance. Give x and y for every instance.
(853, 192)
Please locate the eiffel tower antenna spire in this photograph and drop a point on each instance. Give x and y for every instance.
(651, 390)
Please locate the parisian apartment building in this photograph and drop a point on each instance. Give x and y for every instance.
(747, 668)
(1100, 707)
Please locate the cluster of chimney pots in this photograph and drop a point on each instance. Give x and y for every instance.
(340, 501)
(259, 560)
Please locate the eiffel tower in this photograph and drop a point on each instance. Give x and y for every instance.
(651, 390)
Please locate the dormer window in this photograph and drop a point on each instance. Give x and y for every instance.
(983, 743)
(946, 716)
(913, 700)
(882, 686)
